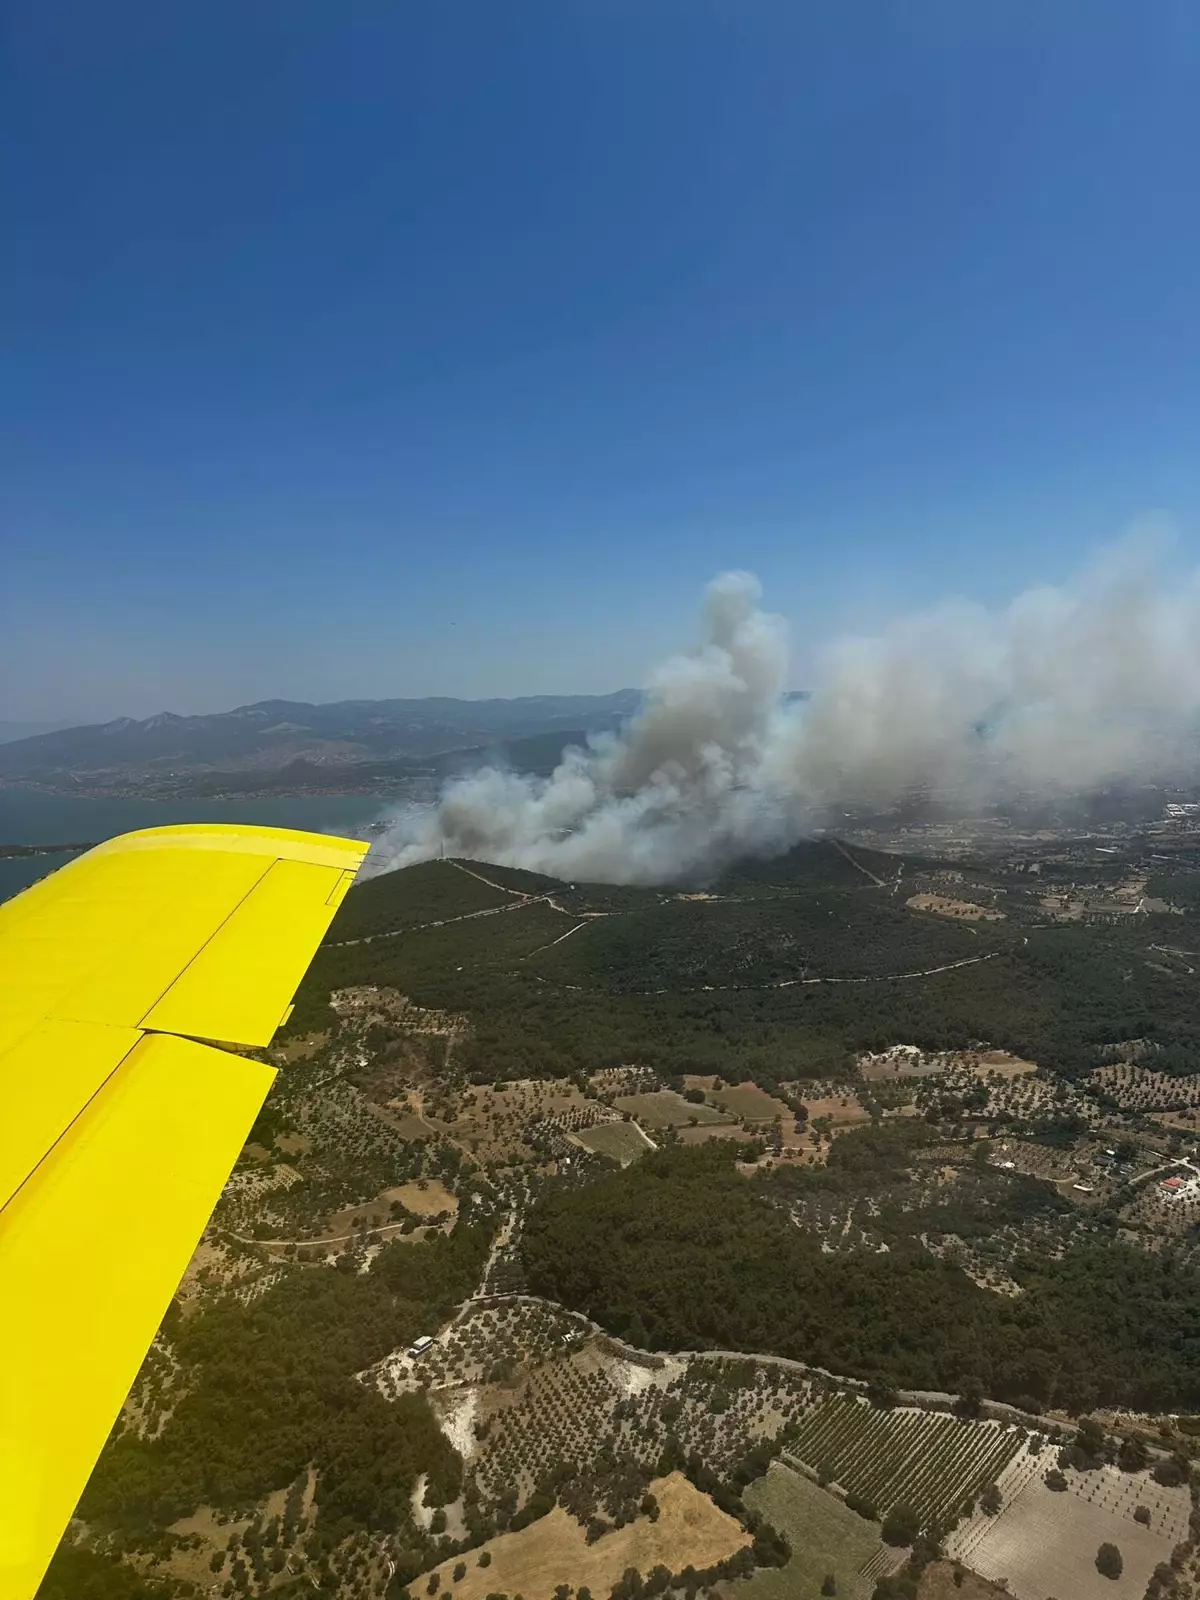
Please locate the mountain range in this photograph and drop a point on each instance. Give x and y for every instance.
(346, 744)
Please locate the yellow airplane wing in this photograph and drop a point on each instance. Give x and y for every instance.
(118, 1127)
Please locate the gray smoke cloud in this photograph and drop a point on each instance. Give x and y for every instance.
(1062, 691)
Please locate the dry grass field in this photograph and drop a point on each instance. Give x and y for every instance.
(712, 1130)
(1185, 1121)
(906, 1061)
(749, 1101)
(943, 906)
(843, 1111)
(554, 1550)
(428, 1197)
(937, 1583)
(901, 1061)
(666, 1109)
(425, 1198)
(1044, 1543)
(985, 1063)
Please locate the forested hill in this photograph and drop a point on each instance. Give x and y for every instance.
(272, 733)
(780, 969)
(681, 1252)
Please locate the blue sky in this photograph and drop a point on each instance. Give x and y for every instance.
(387, 349)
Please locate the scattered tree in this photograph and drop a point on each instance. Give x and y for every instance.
(901, 1525)
(1108, 1561)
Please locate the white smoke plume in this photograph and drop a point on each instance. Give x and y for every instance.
(1062, 691)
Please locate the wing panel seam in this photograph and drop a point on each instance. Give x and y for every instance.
(65, 1130)
(196, 954)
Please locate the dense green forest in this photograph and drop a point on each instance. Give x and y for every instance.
(681, 984)
(86, 1575)
(697, 944)
(681, 1252)
(418, 895)
(880, 1161)
(268, 1388)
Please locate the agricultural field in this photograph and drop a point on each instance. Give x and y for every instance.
(689, 1531)
(996, 1063)
(620, 1141)
(713, 1130)
(426, 1199)
(907, 1061)
(928, 1460)
(1035, 1160)
(1044, 1543)
(902, 1061)
(825, 1537)
(1019, 1096)
(1138, 1088)
(666, 1109)
(627, 1080)
(946, 906)
(496, 1123)
(522, 1388)
(842, 1111)
(748, 1101)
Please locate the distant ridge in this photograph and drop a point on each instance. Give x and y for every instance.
(272, 735)
(27, 730)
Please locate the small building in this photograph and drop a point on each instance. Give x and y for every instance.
(419, 1346)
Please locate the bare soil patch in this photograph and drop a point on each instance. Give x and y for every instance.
(943, 906)
(554, 1550)
(1045, 1544)
(842, 1111)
